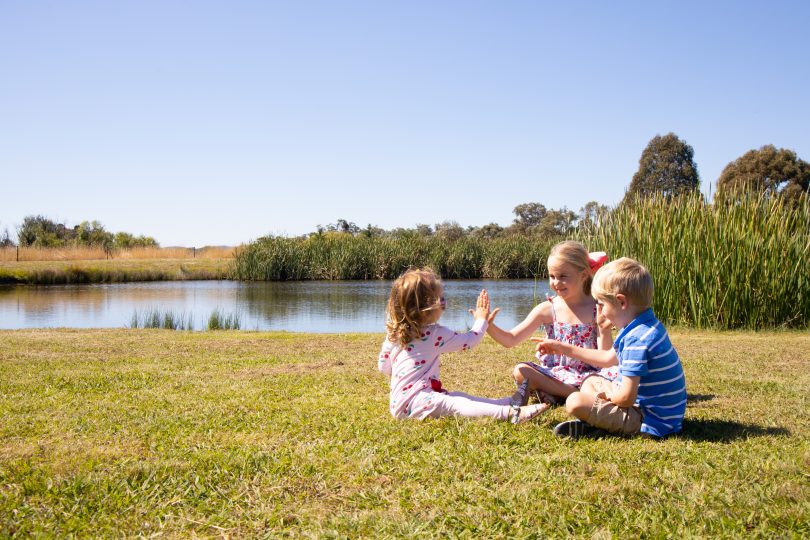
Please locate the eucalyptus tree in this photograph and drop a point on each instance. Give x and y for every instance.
(667, 167)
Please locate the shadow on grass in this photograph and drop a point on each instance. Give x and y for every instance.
(697, 398)
(725, 431)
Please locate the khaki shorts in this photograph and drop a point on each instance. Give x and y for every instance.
(605, 415)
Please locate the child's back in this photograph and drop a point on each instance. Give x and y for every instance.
(644, 349)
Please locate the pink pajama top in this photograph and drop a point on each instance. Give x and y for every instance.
(414, 369)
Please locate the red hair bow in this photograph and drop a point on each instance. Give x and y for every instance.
(597, 259)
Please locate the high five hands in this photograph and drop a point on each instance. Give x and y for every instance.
(481, 310)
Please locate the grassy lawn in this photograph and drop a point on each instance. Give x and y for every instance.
(113, 270)
(213, 434)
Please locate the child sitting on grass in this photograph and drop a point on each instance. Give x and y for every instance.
(411, 351)
(649, 396)
(571, 317)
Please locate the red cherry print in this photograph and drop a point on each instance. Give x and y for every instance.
(428, 332)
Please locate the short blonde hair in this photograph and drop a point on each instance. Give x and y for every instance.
(414, 296)
(624, 276)
(576, 255)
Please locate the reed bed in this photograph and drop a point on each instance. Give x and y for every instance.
(171, 320)
(167, 320)
(736, 264)
(342, 256)
(89, 253)
(220, 320)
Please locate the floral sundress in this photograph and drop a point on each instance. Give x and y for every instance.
(564, 368)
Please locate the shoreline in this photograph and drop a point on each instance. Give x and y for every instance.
(113, 271)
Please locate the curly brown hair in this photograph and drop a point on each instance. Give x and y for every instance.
(414, 296)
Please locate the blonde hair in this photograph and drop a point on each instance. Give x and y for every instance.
(414, 296)
(624, 276)
(576, 255)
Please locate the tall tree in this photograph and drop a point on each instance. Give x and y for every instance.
(666, 167)
(769, 171)
(529, 214)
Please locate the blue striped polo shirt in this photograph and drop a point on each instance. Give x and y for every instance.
(644, 350)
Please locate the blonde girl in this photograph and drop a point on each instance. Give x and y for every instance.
(572, 316)
(412, 348)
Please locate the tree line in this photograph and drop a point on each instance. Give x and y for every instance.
(667, 169)
(41, 232)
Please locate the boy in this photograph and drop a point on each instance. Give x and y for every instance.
(649, 395)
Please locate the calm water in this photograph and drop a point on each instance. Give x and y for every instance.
(313, 306)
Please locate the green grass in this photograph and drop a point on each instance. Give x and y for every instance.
(114, 271)
(242, 434)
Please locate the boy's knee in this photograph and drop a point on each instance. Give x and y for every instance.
(577, 404)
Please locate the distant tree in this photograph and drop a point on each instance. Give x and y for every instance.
(529, 214)
(372, 232)
(92, 233)
(125, 240)
(423, 230)
(5, 239)
(344, 226)
(666, 167)
(39, 231)
(591, 213)
(555, 223)
(449, 230)
(490, 230)
(769, 171)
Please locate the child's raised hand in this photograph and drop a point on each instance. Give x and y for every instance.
(547, 346)
(481, 306)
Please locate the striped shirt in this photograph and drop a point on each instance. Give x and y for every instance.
(644, 351)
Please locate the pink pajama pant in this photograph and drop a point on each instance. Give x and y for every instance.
(442, 404)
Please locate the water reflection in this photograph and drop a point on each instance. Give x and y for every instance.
(319, 306)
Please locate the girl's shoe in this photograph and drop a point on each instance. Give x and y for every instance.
(575, 429)
(526, 413)
(543, 397)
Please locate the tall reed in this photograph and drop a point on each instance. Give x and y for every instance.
(733, 264)
(156, 318)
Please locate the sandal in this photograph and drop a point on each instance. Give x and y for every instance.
(524, 414)
(550, 400)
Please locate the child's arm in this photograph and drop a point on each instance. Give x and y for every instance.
(461, 342)
(595, 357)
(386, 356)
(541, 314)
(626, 394)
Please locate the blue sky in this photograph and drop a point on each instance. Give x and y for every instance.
(204, 123)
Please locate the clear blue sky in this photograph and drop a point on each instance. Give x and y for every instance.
(219, 122)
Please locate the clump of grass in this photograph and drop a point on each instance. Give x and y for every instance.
(219, 320)
(167, 320)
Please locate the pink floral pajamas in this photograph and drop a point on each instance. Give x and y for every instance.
(414, 371)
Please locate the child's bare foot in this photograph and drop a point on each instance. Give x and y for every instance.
(527, 412)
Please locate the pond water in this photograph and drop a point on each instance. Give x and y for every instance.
(308, 306)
